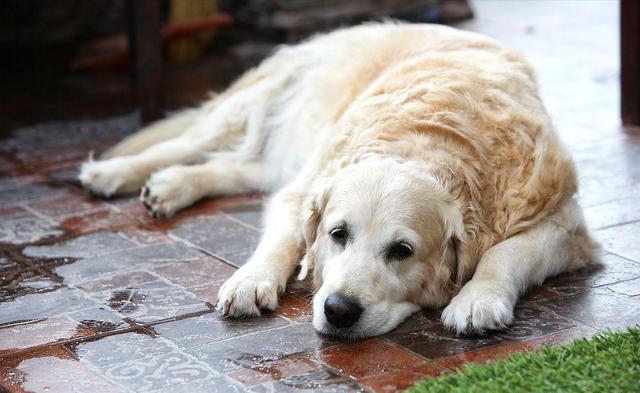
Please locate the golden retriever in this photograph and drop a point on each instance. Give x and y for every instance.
(413, 166)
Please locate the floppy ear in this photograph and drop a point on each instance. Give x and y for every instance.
(457, 266)
(311, 216)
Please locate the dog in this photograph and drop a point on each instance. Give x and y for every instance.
(411, 166)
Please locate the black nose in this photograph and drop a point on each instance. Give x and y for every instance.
(342, 311)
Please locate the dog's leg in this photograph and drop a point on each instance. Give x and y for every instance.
(257, 284)
(176, 187)
(560, 243)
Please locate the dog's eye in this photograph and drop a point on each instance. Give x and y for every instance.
(339, 234)
(399, 251)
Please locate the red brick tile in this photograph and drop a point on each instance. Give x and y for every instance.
(538, 293)
(294, 308)
(51, 369)
(207, 292)
(20, 337)
(67, 204)
(143, 236)
(98, 220)
(43, 159)
(117, 281)
(369, 357)
(278, 369)
(400, 380)
(199, 272)
(483, 355)
(8, 211)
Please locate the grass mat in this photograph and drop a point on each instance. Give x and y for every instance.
(608, 362)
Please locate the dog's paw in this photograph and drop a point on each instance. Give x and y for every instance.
(166, 192)
(247, 292)
(108, 178)
(477, 309)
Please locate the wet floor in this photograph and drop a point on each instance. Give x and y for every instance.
(97, 296)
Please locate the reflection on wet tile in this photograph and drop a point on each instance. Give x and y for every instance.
(256, 349)
(151, 301)
(612, 269)
(53, 370)
(98, 319)
(208, 328)
(367, 358)
(435, 342)
(197, 272)
(84, 246)
(322, 380)
(140, 362)
(213, 384)
(629, 288)
(221, 237)
(399, 380)
(294, 308)
(95, 220)
(249, 213)
(26, 227)
(39, 332)
(532, 320)
(131, 259)
(621, 240)
(598, 308)
(42, 305)
(276, 370)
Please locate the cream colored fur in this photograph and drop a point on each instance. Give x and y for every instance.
(401, 133)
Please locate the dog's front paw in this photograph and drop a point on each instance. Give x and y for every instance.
(478, 308)
(248, 291)
(109, 177)
(166, 192)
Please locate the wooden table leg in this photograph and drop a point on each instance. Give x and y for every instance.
(630, 62)
(145, 54)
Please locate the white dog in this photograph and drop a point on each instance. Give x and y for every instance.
(413, 166)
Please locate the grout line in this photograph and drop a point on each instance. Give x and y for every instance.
(616, 225)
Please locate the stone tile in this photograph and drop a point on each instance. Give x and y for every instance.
(436, 342)
(213, 384)
(84, 246)
(52, 370)
(95, 220)
(140, 362)
(39, 332)
(537, 293)
(21, 281)
(26, 227)
(132, 259)
(610, 270)
(144, 237)
(45, 158)
(396, 381)
(322, 380)
(209, 328)
(532, 320)
(197, 272)
(118, 281)
(98, 319)
(367, 358)
(612, 213)
(423, 320)
(621, 240)
(41, 305)
(222, 237)
(28, 192)
(598, 308)
(249, 213)
(629, 288)
(255, 349)
(207, 292)
(71, 203)
(151, 301)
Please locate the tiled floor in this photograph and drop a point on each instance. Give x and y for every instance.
(97, 296)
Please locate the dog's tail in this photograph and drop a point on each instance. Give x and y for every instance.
(162, 130)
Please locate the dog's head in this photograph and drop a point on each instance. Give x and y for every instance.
(382, 241)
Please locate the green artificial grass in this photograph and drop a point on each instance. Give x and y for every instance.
(605, 363)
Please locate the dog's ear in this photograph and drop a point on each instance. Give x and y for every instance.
(456, 262)
(311, 216)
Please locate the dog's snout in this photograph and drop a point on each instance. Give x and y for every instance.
(342, 311)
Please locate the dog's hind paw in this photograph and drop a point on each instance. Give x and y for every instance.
(478, 308)
(166, 192)
(247, 292)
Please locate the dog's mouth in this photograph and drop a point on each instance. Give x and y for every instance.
(349, 334)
